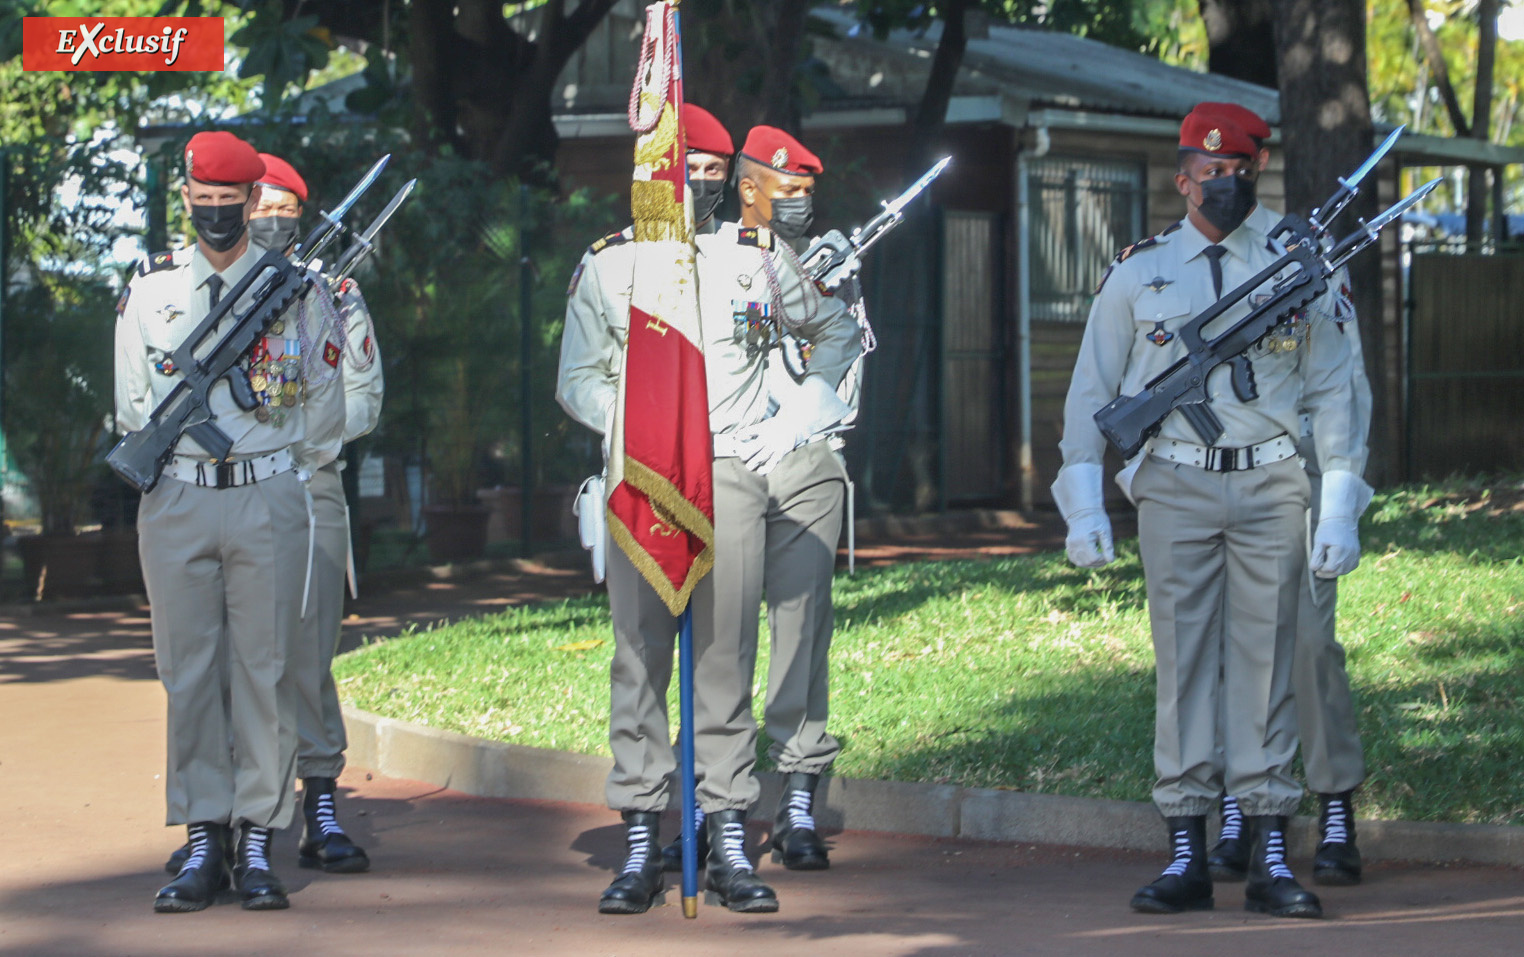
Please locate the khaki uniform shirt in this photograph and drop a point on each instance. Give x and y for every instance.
(597, 322)
(741, 325)
(164, 302)
(1130, 337)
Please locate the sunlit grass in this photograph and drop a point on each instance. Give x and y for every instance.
(1028, 673)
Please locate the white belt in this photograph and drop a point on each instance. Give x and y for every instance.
(1215, 459)
(229, 474)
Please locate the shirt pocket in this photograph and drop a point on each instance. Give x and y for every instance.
(1159, 315)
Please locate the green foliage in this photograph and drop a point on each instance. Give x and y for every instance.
(281, 52)
(1103, 20)
(58, 390)
(1028, 673)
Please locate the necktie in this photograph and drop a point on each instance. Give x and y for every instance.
(1214, 255)
(215, 285)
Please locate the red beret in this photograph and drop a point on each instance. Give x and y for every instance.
(705, 133)
(222, 159)
(281, 175)
(1240, 116)
(771, 146)
(1207, 132)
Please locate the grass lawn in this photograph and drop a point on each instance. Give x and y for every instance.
(1028, 673)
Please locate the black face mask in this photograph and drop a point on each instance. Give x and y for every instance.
(793, 216)
(274, 232)
(220, 227)
(707, 194)
(1226, 201)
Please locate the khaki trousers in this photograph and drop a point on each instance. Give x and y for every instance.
(806, 498)
(645, 633)
(1222, 557)
(319, 719)
(1325, 708)
(224, 571)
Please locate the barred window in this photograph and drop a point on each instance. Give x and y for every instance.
(1083, 213)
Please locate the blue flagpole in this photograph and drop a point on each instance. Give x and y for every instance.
(685, 744)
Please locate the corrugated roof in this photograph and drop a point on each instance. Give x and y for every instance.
(1046, 68)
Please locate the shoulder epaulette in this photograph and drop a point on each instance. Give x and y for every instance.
(156, 262)
(758, 236)
(1129, 250)
(612, 239)
(1172, 227)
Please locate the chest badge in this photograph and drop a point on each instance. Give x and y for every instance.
(1160, 335)
(171, 313)
(745, 280)
(1158, 283)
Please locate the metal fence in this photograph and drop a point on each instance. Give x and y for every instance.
(1083, 211)
(1464, 398)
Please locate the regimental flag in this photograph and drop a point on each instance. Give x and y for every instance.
(661, 462)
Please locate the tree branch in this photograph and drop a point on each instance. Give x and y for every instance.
(1436, 58)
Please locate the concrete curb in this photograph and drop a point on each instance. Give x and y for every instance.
(495, 769)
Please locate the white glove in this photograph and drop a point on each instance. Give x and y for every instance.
(592, 522)
(802, 412)
(764, 445)
(1336, 543)
(1078, 494)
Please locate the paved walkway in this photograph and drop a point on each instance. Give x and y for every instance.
(81, 754)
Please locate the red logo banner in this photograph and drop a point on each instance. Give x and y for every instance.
(121, 43)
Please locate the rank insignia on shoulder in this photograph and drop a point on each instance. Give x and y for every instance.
(612, 239)
(1140, 244)
(121, 303)
(1158, 283)
(571, 287)
(156, 262)
(757, 236)
(1160, 335)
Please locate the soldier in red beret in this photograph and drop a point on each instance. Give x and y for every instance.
(592, 356)
(777, 183)
(1332, 755)
(1221, 528)
(278, 204)
(224, 544)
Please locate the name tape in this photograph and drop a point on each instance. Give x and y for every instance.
(121, 43)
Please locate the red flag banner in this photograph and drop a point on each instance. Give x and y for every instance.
(661, 464)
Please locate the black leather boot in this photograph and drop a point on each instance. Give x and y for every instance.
(324, 845)
(178, 856)
(795, 843)
(1229, 860)
(672, 854)
(1185, 884)
(640, 885)
(256, 885)
(1271, 888)
(731, 880)
(1337, 861)
(202, 876)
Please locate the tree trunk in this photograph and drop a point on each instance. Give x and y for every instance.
(1241, 39)
(1481, 118)
(1326, 132)
(931, 116)
(781, 54)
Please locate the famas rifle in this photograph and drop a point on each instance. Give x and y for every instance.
(269, 288)
(833, 258)
(1130, 420)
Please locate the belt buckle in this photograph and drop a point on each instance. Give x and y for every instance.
(225, 475)
(1227, 460)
